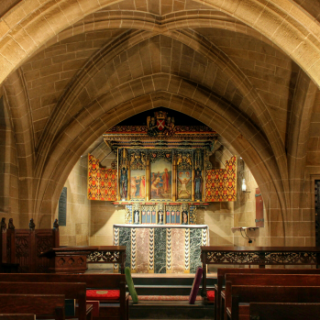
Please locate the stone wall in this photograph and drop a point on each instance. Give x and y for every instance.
(245, 210)
(103, 216)
(76, 232)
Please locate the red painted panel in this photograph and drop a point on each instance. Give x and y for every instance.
(259, 209)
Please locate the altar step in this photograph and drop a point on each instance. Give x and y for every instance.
(170, 310)
(169, 286)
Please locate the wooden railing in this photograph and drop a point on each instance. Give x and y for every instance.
(38, 251)
(75, 259)
(260, 256)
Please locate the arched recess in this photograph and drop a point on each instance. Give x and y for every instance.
(30, 24)
(70, 104)
(104, 113)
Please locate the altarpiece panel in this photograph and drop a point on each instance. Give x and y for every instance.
(161, 162)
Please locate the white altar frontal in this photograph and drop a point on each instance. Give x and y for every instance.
(154, 248)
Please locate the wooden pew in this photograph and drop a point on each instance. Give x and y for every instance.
(18, 316)
(265, 280)
(43, 304)
(118, 308)
(76, 290)
(250, 294)
(280, 311)
(256, 256)
(223, 271)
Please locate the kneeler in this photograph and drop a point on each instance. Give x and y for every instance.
(95, 296)
(131, 288)
(211, 295)
(195, 285)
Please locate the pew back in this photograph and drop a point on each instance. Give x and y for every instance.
(19, 316)
(287, 310)
(268, 280)
(43, 304)
(249, 294)
(75, 290)
(223, 271)
(106, 281)
(94, 281)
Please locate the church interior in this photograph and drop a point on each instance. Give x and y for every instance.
(172, 130)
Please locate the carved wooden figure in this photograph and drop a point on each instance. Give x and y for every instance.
(11, 225)
(3, 224)
(56, 224)
(32, 225)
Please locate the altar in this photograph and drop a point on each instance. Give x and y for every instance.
(161, 175)
(161, 248)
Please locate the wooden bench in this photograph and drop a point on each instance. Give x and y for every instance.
(250, 294)
(118, 308)
(223, 271)
(39, 304)
(176, 310)
(280, 311)
(18, 316)
(264, 280)
(76, 290)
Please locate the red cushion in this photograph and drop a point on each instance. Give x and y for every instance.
(210, 295)
(103, 294)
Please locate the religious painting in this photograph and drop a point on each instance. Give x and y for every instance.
(138, 184)
(185, 217)
(198, 185)
(123, 183)
(184, 184)
(160, 179)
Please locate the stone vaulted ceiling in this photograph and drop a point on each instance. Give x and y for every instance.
(247, 68)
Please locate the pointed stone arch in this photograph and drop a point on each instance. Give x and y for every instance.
(30, 24)
(111, 50)
(103, 114)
